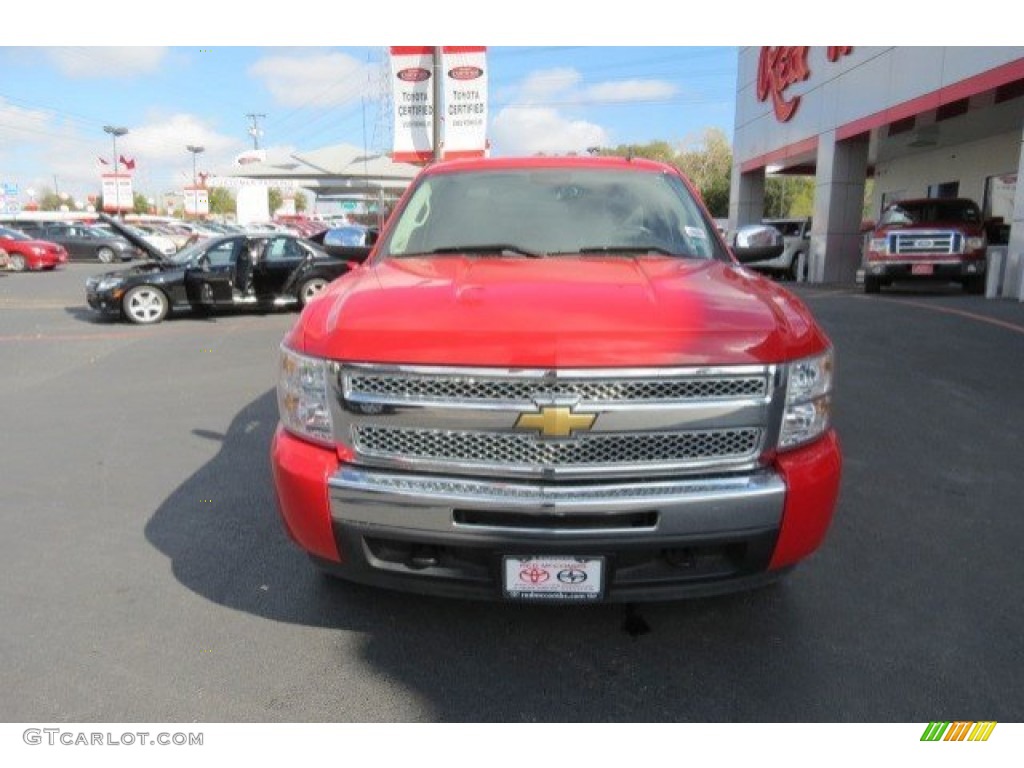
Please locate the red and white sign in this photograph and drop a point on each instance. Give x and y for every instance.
(465, 101)
(118, 194)
(197, 201)
(464, 116)
(779, 67)
(412, 72)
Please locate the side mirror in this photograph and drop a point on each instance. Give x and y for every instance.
(757, 242)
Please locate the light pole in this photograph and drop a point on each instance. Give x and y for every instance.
(195, 150)
(115, 131)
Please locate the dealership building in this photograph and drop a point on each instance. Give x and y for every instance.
(920, 122)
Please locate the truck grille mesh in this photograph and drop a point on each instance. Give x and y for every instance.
(492, 448)
(414, 387)
(935, 242)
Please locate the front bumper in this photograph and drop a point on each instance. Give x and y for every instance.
(924, 268)
(661, 540)
(103, 301)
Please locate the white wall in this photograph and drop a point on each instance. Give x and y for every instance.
(970, 164)
(867, 81)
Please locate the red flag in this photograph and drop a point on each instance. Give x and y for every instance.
(104, 162)
(128, 164)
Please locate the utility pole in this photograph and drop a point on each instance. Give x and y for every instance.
(195, 150)
(254, 129)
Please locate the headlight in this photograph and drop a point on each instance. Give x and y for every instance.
(808, 400)
(302, 392)
(108, 283)
(878, 244)
(975, 243)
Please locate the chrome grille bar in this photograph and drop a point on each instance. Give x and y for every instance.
(430, 388)
(529, 450)
(490, 422)
(910, 243)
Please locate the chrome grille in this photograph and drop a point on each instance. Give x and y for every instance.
(430, 388)
(910, 243)
(606, 450)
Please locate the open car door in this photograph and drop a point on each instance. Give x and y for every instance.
(210, 281)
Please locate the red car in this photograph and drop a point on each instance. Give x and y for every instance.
(25, 253)
(551, 381)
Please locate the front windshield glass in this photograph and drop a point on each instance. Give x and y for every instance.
(958, 211)
(552, 211)
(189, 255)
(11, 234)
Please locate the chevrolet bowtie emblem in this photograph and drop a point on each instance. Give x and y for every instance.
(556, 421)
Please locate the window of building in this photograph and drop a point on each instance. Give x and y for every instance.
(946, 189)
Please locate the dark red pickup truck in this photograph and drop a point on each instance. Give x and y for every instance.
(928, 239)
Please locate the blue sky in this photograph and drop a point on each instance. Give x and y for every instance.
(55, 100)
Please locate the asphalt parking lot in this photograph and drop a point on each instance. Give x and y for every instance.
(144, 575)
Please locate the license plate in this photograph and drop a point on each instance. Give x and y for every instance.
(922, 269)
(553, 577)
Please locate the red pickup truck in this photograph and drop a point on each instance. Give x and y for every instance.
(928, 239)
(552, 381)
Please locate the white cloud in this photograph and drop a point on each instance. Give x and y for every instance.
(628, 90)
(316, 80)
(164, 138)
(158, 148)
(529, 130)
(107, 61)
(17, 123)
(544, 83)
(535, 121)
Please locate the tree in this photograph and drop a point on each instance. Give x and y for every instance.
(274, 199)
(300, 202)
(788, 197)
(708, 164)
(49, 200)
(221, 200)
(709, 167)
(140, 203)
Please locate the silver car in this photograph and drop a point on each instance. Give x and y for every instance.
(797, 236)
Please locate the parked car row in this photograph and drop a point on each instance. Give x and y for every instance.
(81, 241)
(21, 252)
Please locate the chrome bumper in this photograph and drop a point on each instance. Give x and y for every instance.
(629, 511)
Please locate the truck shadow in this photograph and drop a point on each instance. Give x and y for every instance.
(714, 659)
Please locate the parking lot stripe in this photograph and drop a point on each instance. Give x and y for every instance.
(1015, 327)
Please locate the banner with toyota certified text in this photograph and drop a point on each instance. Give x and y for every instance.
(463, 113)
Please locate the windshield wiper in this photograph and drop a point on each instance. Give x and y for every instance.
(501, 249)
(628, 250)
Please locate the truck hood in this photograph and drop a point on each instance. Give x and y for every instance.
(556, 312)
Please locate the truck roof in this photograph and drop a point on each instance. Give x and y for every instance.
(567, 162)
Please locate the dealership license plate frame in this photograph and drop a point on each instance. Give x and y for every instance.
(922, 269)
(553, 588)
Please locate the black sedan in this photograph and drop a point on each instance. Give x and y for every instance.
(230, 272)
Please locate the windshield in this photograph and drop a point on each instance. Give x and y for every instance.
(11, 234)
(188, 255)
(925, 211)
(552, 211)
